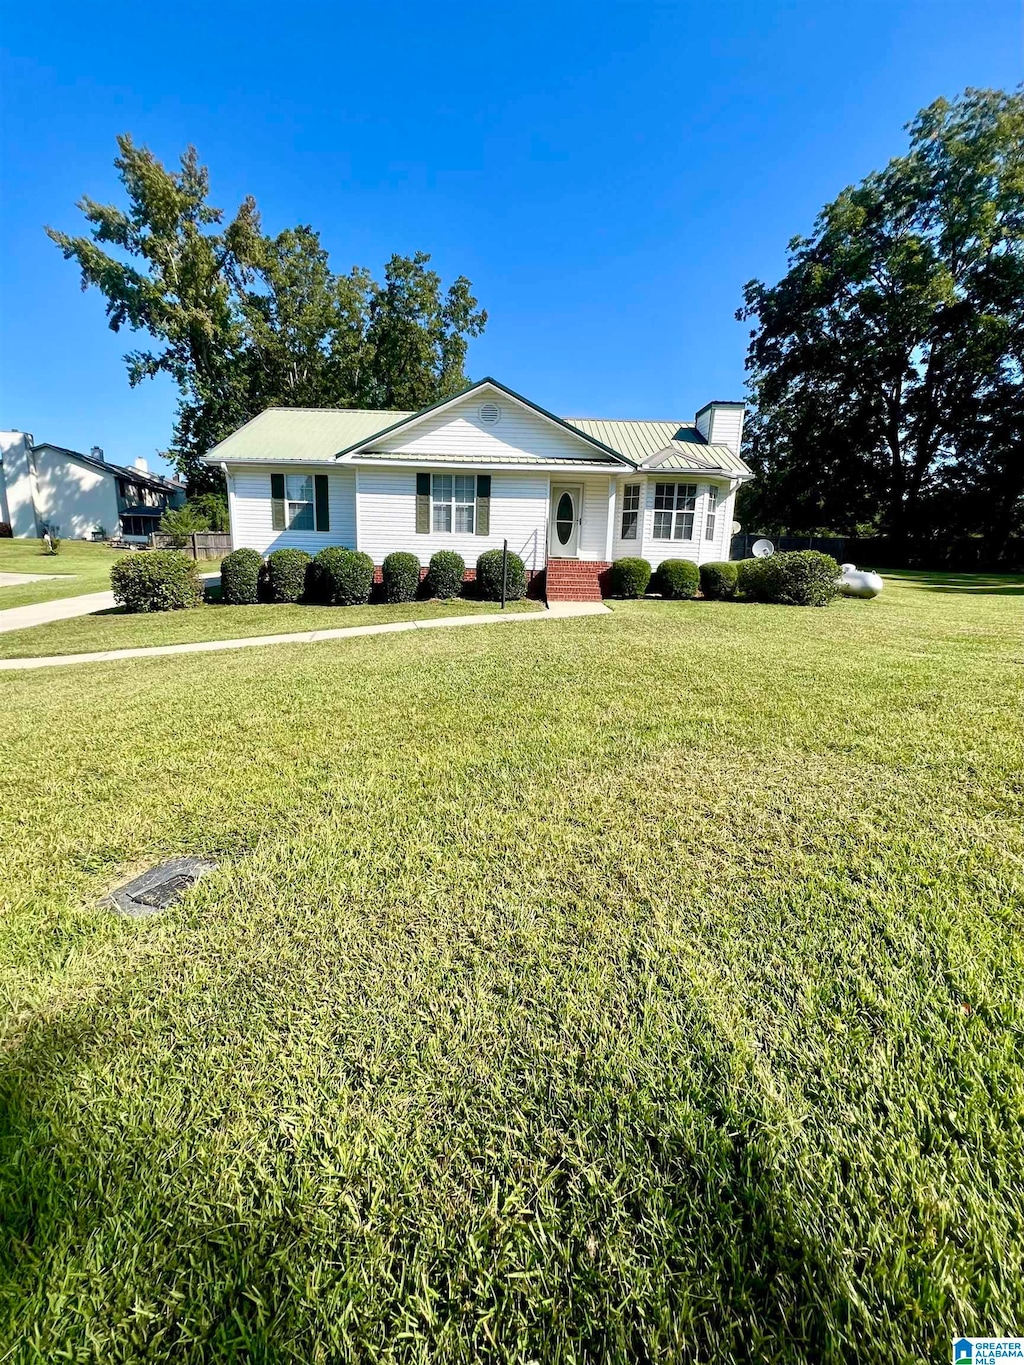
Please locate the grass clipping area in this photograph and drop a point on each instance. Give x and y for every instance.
(643, 988)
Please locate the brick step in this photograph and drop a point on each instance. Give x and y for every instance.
(574, 580)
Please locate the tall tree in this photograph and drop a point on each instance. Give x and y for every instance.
(242, 320)
(889, 359)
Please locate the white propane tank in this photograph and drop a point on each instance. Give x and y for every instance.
(854, 582)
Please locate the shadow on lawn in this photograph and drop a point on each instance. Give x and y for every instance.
(1006, 585)
(96, 1220)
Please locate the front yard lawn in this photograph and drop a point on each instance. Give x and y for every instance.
(83, 567)
(646, 987)
(115, 630)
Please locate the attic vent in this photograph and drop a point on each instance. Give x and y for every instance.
(490, 413)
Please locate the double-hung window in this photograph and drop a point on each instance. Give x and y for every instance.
(454, 502)
(299, 497)
(711, 514)
(630, 510)
(674, 507)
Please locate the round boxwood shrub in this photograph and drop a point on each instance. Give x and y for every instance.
(400, 574)
(445, 575)
(286, 575)
(678, 578)
(795, 578)
(240, 578)
(342, 578)
(320, 574)
(488, 577)
(718, 579)
(156, 580)
(630, 577)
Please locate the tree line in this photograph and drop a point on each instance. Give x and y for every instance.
(885, 367)
(242, 320)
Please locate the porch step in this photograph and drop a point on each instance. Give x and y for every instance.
(575, 580)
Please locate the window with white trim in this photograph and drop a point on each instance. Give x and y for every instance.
(630, 510)
(299, 499)
(454, 502)
(674, 507)
(711, 514)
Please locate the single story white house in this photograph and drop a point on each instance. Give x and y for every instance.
(48, 487)
(569, 494)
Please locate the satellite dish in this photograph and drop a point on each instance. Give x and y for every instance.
(761, 549)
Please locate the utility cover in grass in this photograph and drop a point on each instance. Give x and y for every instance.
(160, 887)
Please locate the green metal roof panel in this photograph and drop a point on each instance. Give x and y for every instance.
(302, 435)
(312, 435)
(639, 441)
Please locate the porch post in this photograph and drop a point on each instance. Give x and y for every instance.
(609, 534)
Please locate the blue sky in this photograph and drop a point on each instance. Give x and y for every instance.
(607, 175)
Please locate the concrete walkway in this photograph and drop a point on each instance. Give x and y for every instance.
(558, 611)
(64, 608)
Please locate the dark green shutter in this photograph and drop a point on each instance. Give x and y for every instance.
(483, 504)
(323, 511)
(277, 518)
(422, 504)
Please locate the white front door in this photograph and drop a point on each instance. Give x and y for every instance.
(566, 516)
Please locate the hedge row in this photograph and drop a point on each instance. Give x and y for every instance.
(165, 580)
(802, 578)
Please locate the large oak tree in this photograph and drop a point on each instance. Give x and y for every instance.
(241, 319)
(886, 366)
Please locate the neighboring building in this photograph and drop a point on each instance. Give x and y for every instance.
(570, 495)
(44, 486)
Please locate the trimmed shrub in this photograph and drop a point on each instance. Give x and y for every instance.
(340, 577)
(630, 577)
(157, 580)
(678, 578)
(488, 577)
(718, 579)
(400, 574)
(445, 575)
(320, 574)
(240, 578)
(753, 580)
(795, 578)
(286, 575)
(6, 532)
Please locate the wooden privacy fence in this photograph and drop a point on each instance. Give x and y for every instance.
(198, 545)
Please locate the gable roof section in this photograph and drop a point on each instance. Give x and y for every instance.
(319, 435)
(664, 445)
(408, 421)
(119, 471)
(301, 435)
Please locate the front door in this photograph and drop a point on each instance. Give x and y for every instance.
(566, 515)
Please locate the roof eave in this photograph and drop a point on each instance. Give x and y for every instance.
(592, 441)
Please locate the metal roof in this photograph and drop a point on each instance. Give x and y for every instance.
(160, 482)
(312, 435)
(302, 435)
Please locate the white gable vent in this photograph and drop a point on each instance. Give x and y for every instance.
(490, 414)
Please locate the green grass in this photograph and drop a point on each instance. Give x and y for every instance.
(634, 988)
(114, 630)
(83, 567)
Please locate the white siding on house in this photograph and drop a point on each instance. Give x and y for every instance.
(722, 425)
(592, 544)
(74, 495)
(249, 504)
(387, 518)
(459, 431)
